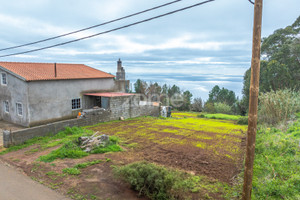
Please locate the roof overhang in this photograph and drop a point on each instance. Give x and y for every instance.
(109, 94)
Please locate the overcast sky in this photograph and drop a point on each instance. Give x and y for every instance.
(194, 49)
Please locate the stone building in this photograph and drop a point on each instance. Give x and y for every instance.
(38, 93)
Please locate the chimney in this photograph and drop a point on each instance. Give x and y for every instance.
(119, 65)
(55, 73)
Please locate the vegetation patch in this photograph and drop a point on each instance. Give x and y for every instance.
(71, 150)
(71, 171)
(221, 116)
(49, 141)
(87, 164)
(277, 164)
(158, 182)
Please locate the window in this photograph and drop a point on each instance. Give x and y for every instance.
(19, 107)
(3, 78)
(76, 104)
(6, 106)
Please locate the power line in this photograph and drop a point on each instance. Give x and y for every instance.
(111, 30)
(84, 29)
(251, 2)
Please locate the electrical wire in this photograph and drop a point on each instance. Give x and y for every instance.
(91, 27)
(251, 2)
(111, 30)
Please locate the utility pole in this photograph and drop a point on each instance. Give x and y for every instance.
(253, 101)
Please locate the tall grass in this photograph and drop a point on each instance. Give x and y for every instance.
(277, 164)
(279, 106)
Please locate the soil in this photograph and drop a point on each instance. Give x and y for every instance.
(98, 180)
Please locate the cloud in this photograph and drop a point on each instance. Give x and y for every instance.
(195, 49)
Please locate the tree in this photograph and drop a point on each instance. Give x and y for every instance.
(213, 95)
(140, 86)
(197, 105)
(280, 67)
(217, 95)
(186, 104)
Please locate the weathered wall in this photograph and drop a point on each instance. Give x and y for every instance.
(129, 107)
(51, 100)
(91, 117)
(122, 85)
(14, 92)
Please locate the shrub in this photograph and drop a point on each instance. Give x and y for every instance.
(222, 108)
(201, 116)
(209, 107)
(153, 181)
(278, 106)
(243, 121)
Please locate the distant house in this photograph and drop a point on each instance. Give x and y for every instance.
(39, 93)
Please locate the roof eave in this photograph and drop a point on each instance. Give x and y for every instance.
(14, 74)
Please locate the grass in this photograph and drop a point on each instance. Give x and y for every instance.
(189, 130)
(68, 150)
(87, 164)
(69, 141)
(71, 171)
(220, 116)
(49, 141)
(76, 169)
(277, 164)
(71, 150)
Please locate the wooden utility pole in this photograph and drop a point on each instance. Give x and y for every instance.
(253, 102)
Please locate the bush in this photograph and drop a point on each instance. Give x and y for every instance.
(153, 181)
(243, 121)
(222, 108)
(209, 107)
(201, 116)
(278, 106)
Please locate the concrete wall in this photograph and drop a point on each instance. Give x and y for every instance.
(129, 107)
(14, 92)
(51, 100)
(91, 117)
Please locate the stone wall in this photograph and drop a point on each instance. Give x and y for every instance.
(91, 117)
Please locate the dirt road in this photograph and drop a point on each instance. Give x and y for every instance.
(16, 186)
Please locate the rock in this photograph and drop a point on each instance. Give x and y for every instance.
(122, 118)
(89, 143)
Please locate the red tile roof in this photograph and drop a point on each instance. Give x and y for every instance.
(46, 71)
(109, 94)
